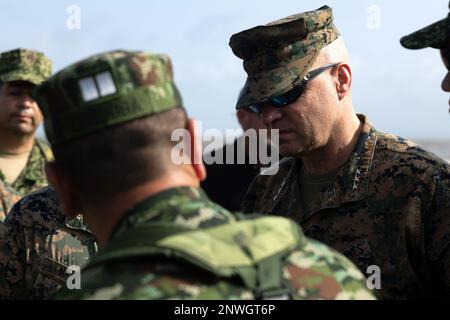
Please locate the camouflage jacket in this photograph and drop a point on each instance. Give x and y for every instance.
(313, 271)
(37, 244)
(8, 197)
(389, 206)
(33, 176)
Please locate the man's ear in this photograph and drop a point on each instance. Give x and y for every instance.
(343, 80)
(70, 202)
(196, 150)
(241, 115)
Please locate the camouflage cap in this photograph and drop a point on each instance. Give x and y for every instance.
(279, 54)
(436, 35)
(105, 90)
(24, 65)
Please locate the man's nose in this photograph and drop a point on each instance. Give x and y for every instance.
(270, 114)
(446, 83)
(26, 100)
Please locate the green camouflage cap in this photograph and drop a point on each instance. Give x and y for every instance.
(436, 35)
(24, 65)
(279, 54)
(106, 90)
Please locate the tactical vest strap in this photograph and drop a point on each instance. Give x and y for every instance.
(253, 250)
(139, 241)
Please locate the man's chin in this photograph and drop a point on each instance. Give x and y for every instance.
(23, 129)
(292, 151)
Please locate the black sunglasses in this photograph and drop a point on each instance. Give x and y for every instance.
(293, 94)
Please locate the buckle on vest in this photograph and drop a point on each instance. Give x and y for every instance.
(275, 294)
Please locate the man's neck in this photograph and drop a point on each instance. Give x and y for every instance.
(337, 151)
(102, 218)
(13, 144)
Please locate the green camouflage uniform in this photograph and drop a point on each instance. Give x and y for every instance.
(311, 271)
(389, 204)
(8, 197)
(175, 244)
(33, 176)
(37, 244)
(34, 67)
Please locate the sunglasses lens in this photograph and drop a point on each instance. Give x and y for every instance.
(288, 97)
(295, 93)
(279, 101)
(255, 108)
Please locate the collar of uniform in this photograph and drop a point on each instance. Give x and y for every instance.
(355, 174)
(36, 158)
(8, 197)
(159, 207)
(352, 179)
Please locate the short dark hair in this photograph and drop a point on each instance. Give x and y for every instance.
(108, 162)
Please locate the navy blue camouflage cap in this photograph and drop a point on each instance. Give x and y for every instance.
(436, 35)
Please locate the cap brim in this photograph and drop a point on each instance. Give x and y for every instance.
(21, 77)
(435, 35)
(272, 83)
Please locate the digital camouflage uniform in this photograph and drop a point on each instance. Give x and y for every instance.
(34, 67)
(37, 244)
(311, 271)
(33, 176)
(177, 243)
(389, 205)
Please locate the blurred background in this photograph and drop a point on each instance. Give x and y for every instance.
(398, 89)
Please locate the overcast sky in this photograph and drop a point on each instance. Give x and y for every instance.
(398, 89)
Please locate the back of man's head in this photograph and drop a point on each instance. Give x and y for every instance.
(113, 160)
(110, 118)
